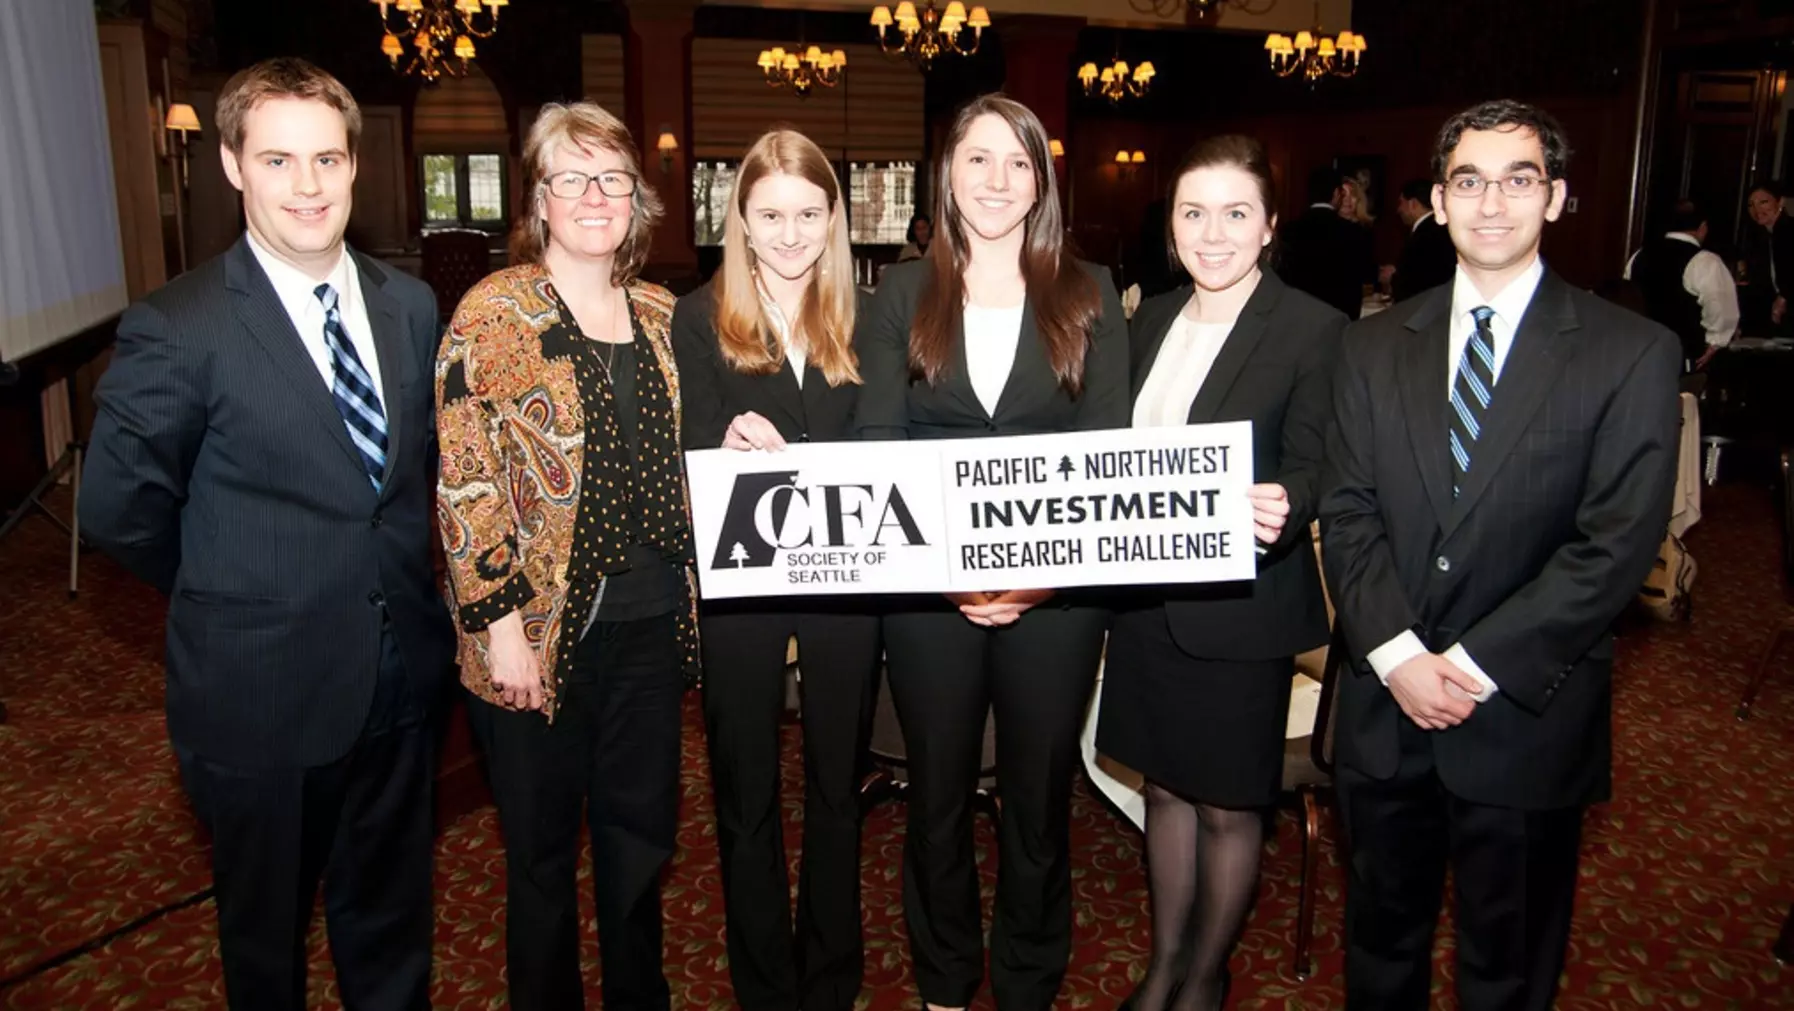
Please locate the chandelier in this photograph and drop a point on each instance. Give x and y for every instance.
(1116, 82)
(802, 73)
(1199, 10)
(1314, 55)
(438, 30)
(924, 36)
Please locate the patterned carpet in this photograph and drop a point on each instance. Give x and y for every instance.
(1686, 875)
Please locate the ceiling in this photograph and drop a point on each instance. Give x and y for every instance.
(1281, 16)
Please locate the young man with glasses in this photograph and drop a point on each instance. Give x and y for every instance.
(1500, 472)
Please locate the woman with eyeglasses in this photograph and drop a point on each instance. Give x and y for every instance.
(562, 506)
(1001, 332)
(766, 349)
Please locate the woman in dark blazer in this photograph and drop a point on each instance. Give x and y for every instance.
(1197, 682)
(766, 354)
(997, 331)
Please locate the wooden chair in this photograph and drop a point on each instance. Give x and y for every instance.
(454, 260)
(1308, 779)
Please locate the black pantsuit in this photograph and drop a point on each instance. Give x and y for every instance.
(819, 966)
(613, 752)
(946, 674)
(361, 825)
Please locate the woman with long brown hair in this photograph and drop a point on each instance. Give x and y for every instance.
(999, 330)
(766, 354)
(562, 506)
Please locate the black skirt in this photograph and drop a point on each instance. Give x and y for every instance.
(1209, 730)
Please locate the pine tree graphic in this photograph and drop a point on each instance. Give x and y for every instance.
(1065, 467)
(738, 554)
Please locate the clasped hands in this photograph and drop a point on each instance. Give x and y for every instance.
(1434, 692)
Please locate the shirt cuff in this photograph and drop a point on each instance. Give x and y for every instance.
(1392, 654)
(1461, 657)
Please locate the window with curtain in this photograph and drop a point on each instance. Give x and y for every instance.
(463, 190)
(883, 197)
(711, 184)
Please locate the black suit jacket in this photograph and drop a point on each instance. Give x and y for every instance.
(1328, 257)
(1428, 260)
(713, 393)
(220, 473)
(895, 406)
(1553, 532)
(1275, 370)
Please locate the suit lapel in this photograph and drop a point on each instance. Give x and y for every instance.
(1030, 358)
(959, 383)
(787, 394)
(1542, 344)
(383, 319)
(1236, 349)
(1421, 376)
(259, 309)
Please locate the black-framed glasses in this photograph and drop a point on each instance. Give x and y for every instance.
(1519, 186)
(573, 185)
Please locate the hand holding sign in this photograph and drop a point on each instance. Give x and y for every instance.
(1270, 510)
(751, 431)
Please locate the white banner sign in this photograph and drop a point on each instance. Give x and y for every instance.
(1110, 508)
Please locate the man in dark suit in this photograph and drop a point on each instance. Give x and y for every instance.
(1769, 253)
(1428, 259)
(1322, 253)
(1500, 472)
(265, 454)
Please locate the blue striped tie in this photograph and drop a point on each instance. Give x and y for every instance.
(1470, 395)
(353, 391)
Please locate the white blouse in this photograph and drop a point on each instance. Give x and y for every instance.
(991, 339)
(781, 327)
(1177, 375)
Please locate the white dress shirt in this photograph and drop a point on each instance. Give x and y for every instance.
(991, 339)
(1510, 307)
(1707, 279)
(1177, 375)
(295, 289)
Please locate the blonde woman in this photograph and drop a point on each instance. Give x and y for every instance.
(562, 511)
(766, 351)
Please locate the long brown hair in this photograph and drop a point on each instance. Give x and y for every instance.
(823, 326)
(582, 125)
(1065, 299)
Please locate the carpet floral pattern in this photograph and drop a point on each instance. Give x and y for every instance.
(1686, 875)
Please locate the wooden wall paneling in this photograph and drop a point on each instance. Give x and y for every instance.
(379, 223)
(214, 207)
(131, 119)
(875, 114)
(602, 72)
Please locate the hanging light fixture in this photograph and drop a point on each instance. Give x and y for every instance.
(921, 36)
(1313, 55)
(441, 33)
(1116, 81)
(802, 69)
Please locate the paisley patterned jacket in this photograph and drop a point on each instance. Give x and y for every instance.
(512, 432)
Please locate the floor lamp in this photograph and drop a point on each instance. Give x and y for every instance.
(182, 120)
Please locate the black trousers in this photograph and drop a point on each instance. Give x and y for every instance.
(946, 674)
(1514, 873)
(362, 825)
(819, 968)
(611, 756)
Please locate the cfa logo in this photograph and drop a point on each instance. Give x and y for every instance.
(771, 512)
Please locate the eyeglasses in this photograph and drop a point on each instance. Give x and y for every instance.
(573, 185)
(1521, 186)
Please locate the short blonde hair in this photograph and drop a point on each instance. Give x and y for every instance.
(282, 77)
(582, 126)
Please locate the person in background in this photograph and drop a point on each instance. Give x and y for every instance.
(1686, 288)
(563, 516)
(1498, 479)
(916, 240)
(1427, 259)
(1770, 257)
(765, 351)
(1002, 332)
(265, 455)
(1197, 682)
(1354, 205)
(1323, 253)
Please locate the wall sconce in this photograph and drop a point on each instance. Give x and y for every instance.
(1055, 148)
(1139, 157)
(1121, 158)
(667, 145)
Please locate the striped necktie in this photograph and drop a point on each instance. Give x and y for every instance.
(1470, 395)
(353, 391)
